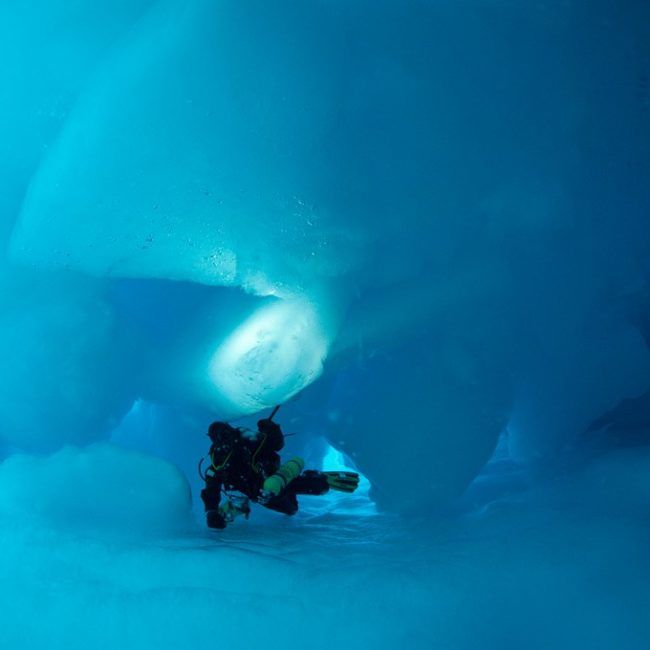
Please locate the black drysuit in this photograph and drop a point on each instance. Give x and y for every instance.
(242, 462)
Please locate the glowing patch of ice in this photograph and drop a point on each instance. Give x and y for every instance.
(274, 354)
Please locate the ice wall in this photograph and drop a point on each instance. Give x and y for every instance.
(90, 488)
(69, 368)
(61, 378)
(453, 194)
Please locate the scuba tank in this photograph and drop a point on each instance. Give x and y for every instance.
(287, 472)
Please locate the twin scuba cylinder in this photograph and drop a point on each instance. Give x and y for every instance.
(286, 473)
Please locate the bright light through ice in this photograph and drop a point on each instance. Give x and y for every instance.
(274, 354)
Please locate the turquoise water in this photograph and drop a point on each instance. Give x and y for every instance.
(420, 226)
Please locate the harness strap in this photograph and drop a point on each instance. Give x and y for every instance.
(254, 464)
(218, 468)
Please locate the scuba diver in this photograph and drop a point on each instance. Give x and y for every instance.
(245, 466)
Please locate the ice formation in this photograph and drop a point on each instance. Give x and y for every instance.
(421, 226)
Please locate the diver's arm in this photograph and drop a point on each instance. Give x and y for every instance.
(273, 433)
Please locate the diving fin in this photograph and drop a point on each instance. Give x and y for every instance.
(342, 481)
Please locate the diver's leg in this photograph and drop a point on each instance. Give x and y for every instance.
(286, 503)
(313, 482)
(309, 482)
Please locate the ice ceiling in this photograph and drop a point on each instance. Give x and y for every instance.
(431, 224)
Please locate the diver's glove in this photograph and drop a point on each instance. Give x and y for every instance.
(215, 519)
(265, 496)
(273, 433)
(342, 481)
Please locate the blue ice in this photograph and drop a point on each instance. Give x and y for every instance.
(420, 226)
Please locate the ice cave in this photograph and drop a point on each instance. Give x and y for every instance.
(419, 227)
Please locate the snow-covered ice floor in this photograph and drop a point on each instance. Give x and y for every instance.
(535, 570)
